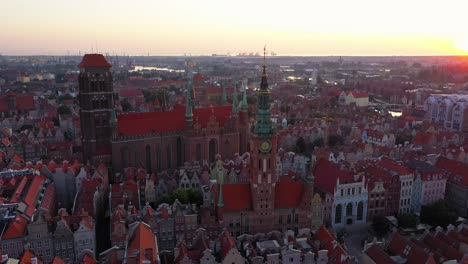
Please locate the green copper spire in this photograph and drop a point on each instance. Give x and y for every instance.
(113, 116)
(188, 103)
(263, 125)
(224, 96)
(235, 103)
(220, 196)
(244, 104)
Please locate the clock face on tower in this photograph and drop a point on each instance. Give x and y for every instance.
(265, 146)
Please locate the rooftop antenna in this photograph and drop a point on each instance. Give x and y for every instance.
(264, 60)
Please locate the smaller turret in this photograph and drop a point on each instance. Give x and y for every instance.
(220, 206)
(224, 95)
(235, 103)
(188, 103)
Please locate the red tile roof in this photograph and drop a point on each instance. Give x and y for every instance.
(336, 253)
(415, 254)
(422, 138)
(164, 213)
(130, 92)
(94, 61)
(198, 77)
(227, 243)
(442, 248)
(19, 190)
(33, 193)
(141, 240)
(288, 193)
(458, 171)
(58, 260)
(236, 197)
(25, 102)
(155, 122)
(326, 173)
(88, 259)
(391, 165)
(378, 255)
(48, 200)
(86, 195)
(183, 252)
(26, 258)
(17, 228)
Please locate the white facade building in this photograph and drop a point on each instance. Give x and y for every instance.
(349, 203)
(447, 110)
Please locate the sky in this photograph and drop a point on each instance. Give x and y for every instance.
(205, 27)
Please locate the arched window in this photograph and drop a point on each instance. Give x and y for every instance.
(213, 149)
(349, 209)
(159, 158)
(198, 152)
(360, 211)
(124, 157)
(168, 156)
(227, 149)
(179, 151)
(338, 214)
(148, 158)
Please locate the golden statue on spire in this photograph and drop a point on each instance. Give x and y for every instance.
(264, 60)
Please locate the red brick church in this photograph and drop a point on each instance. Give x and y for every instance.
(158, 140)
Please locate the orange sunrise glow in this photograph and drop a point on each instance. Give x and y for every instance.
(296, 27)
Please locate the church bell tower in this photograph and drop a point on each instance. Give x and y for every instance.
(96, 108)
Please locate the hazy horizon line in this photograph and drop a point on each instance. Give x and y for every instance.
(234, 56)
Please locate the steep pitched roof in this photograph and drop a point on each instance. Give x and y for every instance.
(33, 193)
(288, 193)
(88, 259)
(26, 258)
(57, 260)
(458, 171)
(378, 255)
(16, 228)
(236, 197)
(326, 173)
(442, 248)
(400, 245)
(94, 61)
(336, 253)
(227, 242)
(156, 122)
(140, 241)
(391, 165)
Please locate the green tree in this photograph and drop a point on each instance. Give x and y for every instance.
(63, 110)
(165, 198)
(194, 196)
(438, 214)
(126, 106)
(380, 225)
(56, 121)
(407, 220)
(181, 195)
(300, 145)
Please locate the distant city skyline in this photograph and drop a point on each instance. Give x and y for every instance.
(348, 28)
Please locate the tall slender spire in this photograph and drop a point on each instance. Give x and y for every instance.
(224, 95)
(244, 104)
(188, 103)
(263, 125)
(113, 117)
(220, 196)
(235, 103)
